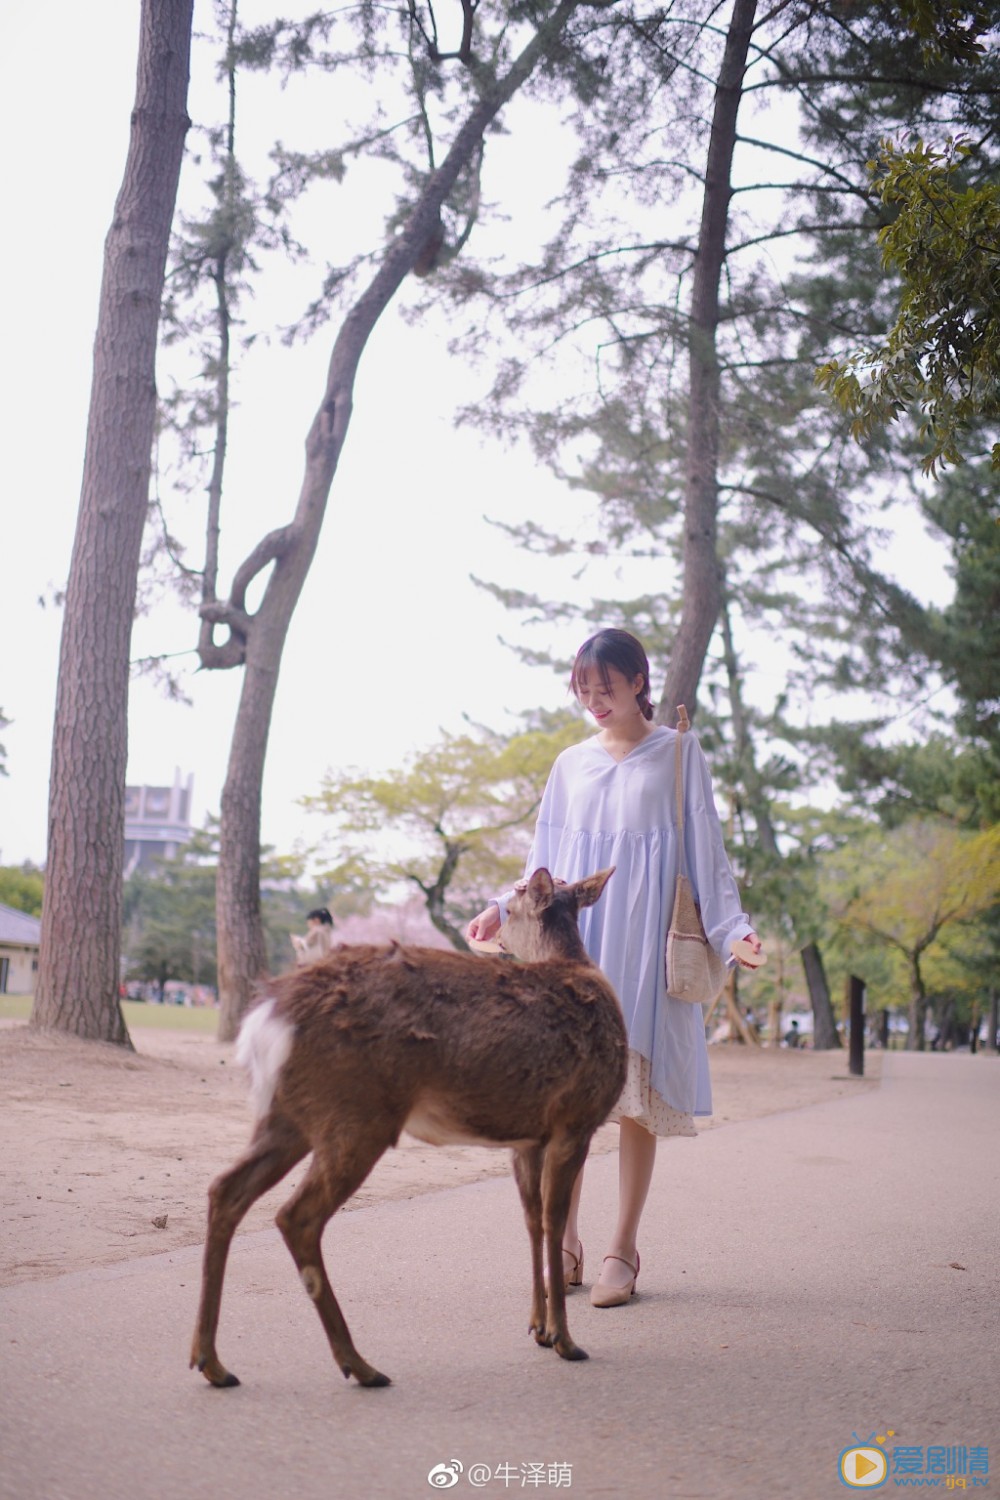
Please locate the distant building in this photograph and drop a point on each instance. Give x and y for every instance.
(157, 822)
(19, 939)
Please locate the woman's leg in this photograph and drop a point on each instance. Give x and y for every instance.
(636, 1157)
(571, 1234)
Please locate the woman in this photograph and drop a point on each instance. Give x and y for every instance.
(610, 801)
(318, 940)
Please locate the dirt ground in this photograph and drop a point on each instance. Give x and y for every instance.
(108, 1154)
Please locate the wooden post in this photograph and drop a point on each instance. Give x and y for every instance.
(856, 1011)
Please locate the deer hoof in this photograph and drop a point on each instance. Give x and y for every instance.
(373, 1378)
(216, 1374)
(566, 1349)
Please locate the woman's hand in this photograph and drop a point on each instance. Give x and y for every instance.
(748, 951)
(486, 926)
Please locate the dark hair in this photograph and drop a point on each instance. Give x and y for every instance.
(320, 915)
(621, 650)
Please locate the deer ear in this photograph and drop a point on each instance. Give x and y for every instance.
(541, 888)
(589, 890)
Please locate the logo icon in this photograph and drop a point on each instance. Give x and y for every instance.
(863, 1467)
(445, 1476)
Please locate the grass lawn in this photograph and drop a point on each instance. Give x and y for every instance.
(164, 1017)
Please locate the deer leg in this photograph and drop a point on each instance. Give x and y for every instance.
(275, 1148)
(527, 1165)
(563, 1159)
(330, 1181)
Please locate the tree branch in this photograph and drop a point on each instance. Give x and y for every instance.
(268, 550)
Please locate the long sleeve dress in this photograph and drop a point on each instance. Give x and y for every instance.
(597, 811)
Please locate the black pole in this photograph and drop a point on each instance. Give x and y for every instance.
(884, 1032)
(856, 992)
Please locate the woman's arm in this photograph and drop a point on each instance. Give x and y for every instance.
(708, 864)
(489, 921)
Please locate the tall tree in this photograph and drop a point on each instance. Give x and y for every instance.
(78, 977)
(253, 639)
(701, 585)
(740, 470)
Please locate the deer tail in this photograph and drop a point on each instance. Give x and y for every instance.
(262, 1047)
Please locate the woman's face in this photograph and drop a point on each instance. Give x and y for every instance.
(611, 700)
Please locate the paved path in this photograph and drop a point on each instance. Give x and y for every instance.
(797, 1287)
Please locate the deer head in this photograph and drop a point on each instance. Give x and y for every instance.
(541, 917)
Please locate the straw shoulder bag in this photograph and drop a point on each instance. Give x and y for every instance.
(694, 971)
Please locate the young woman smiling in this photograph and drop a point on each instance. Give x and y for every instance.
(610, 801)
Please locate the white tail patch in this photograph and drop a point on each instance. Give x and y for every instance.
(262, 1047)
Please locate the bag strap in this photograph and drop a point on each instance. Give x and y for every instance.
(683, 723)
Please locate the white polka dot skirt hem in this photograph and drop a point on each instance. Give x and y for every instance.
(639, 1101)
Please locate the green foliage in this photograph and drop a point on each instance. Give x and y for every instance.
(943, 352)
(169, 930)
(169, 922)
(910, 888)
(22, 887)
(963, 507)
(780, 886)
(940, 777)
(950, 28)
(849, 952)
(961, 966)
(455, 821)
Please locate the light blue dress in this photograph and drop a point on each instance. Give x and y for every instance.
(597, 811)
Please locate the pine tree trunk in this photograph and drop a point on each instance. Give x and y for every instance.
(916, 1037)
(78, 976)
(701, 580)
(241, 951)
(259, 641)
(993, 1019)
(825, 1033)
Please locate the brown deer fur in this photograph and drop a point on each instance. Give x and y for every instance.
(453, 1048)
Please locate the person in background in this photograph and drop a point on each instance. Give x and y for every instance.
(318, 939)
(610, 801)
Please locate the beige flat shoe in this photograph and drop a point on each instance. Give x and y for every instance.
(572, 1277)
(615, 1296)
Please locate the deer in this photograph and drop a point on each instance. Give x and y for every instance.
(454, 1048)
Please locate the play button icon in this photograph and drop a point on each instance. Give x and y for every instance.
(863, 1468)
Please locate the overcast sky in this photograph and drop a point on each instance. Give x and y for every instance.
(391, 641)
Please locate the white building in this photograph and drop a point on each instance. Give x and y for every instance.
(19, 939)
(157, 822)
